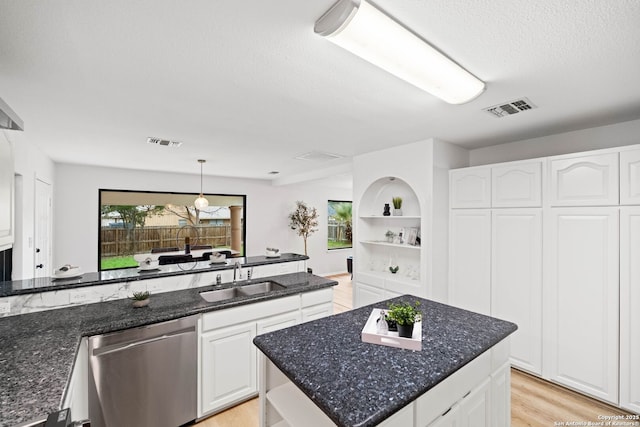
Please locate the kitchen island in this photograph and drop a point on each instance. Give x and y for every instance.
(322, 372)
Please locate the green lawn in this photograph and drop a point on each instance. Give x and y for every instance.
(118, 262)
(338, 244)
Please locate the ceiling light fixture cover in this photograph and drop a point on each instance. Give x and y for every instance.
(201, 203)
(369, 33)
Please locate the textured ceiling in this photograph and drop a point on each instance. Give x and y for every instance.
(249, 86)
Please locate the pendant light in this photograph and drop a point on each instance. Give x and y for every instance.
(201, 202)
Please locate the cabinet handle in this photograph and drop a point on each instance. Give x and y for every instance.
(39, 266)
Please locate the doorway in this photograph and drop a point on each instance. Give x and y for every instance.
(42, 230)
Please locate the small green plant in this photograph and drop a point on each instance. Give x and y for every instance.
(140, 296)
(390, 234)
(404, 313)
(394, 269)
(397, 202)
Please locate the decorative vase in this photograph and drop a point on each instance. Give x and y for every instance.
(140, 303)
(397, 212)
(405, 331)
(387, 211)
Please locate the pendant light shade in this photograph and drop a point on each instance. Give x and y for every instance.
(201, 203)
(369, 33)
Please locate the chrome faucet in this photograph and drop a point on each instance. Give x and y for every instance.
(237, 267)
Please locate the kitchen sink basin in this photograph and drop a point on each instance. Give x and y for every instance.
(241, 291)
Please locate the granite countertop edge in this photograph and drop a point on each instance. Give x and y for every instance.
(47, 284)
(39, 349)
(356, 358)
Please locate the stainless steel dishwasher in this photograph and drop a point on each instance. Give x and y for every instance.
(144, 376)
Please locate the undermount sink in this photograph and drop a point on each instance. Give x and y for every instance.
(241, 291)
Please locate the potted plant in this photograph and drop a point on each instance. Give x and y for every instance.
(140, 299)
(393, 269)
(304, 221)
(397, 206)
(390, 235)
(405, 315)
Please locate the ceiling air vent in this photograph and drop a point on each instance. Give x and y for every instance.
(318, 156)
(163, 142)
(510, 108)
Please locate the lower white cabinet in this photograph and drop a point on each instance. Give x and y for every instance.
(469, 260)
(228, 361)
(76, 396)
(582, 300)
(516, 281)
(630, 308)
(367, 294)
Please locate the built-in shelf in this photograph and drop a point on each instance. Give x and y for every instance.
(389, 217)
(393, 245)
(398, 277)
(295, 408)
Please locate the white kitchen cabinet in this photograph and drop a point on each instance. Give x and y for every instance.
(582, 300)
(469, 259)
(517, 184)
(475, 408)
(501, 397)
(317, 312)
(278, 322)
(76, 395)
(6, 194)
(228, 366)
(630, 177)
(451, 418)
(629, 308)
(516, 281)
(584, 180)
(470, 187)
(367, 294)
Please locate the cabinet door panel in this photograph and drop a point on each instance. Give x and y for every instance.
(630, 177)
(6, 194)
(629, 308)
(516, 281)
(590, 180)
(501, 397)
(517, 185)
(366, 294)
(469, 264)
(475, 409)
(228, 366)
(581, 300)
(275, 323)
(470, 188)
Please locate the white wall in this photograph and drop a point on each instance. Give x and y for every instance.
(616, 135)
(76, 211)
(31, 164)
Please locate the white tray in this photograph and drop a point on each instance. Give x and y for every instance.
(369, 334)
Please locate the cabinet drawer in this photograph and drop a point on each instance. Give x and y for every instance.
(517, 185)
(590, 180)
(370, 279)
(232, 316)
(317, 297)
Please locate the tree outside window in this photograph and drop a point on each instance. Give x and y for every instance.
(339, 224)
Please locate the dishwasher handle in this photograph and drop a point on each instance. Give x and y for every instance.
(119, 347)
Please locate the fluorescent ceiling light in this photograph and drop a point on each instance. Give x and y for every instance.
(364, 30)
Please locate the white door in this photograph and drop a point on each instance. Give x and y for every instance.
(516, 281)
(590, 180)
(630, 308)
(630, 177)
(42, 258)
(581, 300)
(228, 366)
(469, 260)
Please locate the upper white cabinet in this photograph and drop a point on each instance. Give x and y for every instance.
(517, 185)
(470, 188)
(582, 299)
(6, 194)
(630, 177)
(589, 180)
(629, 312)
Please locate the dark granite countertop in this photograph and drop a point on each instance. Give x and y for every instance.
(43, 284)
(38, 350)
(362, 384)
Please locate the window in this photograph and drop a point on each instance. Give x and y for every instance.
(339, 224)
(135, 222)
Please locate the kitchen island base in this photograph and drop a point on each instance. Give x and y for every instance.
(477, 395)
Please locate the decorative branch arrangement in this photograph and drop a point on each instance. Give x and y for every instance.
(304, 221)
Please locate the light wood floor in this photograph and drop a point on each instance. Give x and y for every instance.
(534, 402)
